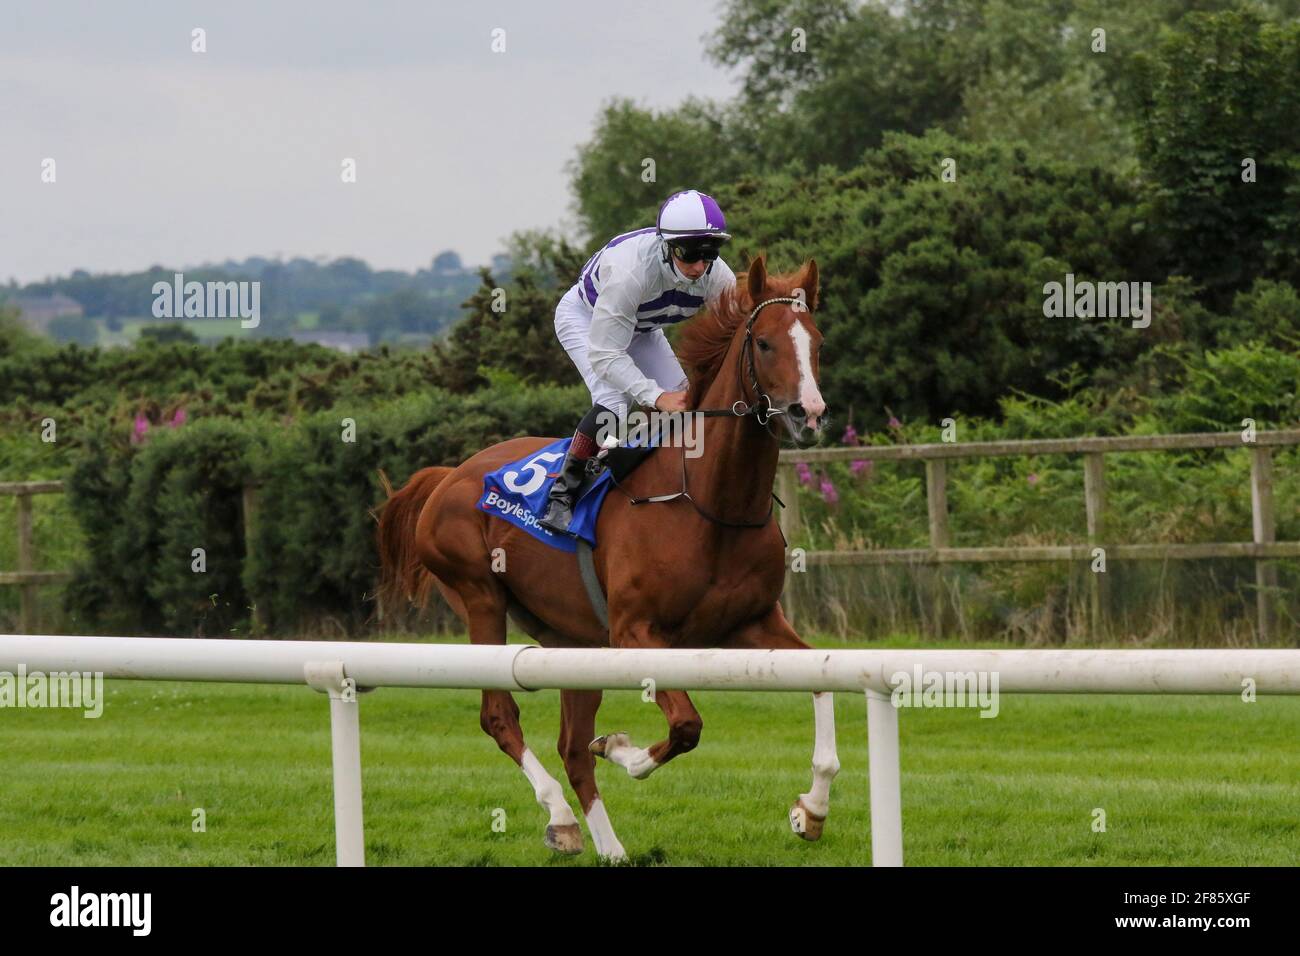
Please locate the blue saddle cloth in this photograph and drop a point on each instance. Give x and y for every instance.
(518, 492)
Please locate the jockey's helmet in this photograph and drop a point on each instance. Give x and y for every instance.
(692, 226)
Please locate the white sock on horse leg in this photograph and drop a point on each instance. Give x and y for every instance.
(548, 791)
(826, 763)
(635, 760)
(602, 833)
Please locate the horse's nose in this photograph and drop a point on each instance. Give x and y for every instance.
(807, 413)
(814, 410)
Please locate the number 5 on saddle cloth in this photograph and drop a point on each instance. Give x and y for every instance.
(517, 492)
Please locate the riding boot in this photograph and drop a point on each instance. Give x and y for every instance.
(560, 502)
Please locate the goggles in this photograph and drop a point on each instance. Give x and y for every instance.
(694, 252)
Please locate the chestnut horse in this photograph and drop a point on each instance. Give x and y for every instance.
(703, 571)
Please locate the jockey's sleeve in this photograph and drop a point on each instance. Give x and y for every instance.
(613, 323)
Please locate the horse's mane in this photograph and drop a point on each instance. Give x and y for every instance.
(705, 339)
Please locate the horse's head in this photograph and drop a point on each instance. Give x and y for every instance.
(786, 344)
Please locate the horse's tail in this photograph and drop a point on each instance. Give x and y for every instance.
(402, 577)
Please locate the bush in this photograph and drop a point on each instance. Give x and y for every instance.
(145, 507)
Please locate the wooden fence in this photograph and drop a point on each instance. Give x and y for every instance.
(27, 578)
(1262, 548)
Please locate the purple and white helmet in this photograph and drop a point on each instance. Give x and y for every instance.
(691, 214)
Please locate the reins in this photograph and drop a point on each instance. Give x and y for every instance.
(762, 410)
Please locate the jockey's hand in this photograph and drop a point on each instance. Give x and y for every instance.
(671, 402)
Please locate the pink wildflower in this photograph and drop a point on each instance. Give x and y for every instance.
(805, 476)
(829, 494)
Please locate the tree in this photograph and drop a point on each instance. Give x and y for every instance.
(387, 316)
(932, 292)
(168, 334)
(15, 337)
(824, 80)
(689, 148)
(330, 316)
(511, 328)
(447, 262)
(861, 70)
(1222, 92)
(73, 328)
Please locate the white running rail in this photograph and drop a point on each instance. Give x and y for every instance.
(341, 668)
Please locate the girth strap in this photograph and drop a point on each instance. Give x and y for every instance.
(587, 568)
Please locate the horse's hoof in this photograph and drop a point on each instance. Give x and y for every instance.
(564, 838)
(805, 823)
(601, 745)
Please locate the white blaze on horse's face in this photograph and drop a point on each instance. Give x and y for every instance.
(810, 396)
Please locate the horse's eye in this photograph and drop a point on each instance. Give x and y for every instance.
(763, 346)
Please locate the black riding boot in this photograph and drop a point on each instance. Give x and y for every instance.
(559, 508)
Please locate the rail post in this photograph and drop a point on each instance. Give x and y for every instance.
(885, 779)
(345, 744)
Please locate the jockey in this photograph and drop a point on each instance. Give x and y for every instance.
(611, 323)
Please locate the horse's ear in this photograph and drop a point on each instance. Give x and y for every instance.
(757, 279)
(808, 282)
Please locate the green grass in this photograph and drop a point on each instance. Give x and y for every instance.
(1183, 780)
(205, 329)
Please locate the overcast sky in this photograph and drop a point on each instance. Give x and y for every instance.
(167, 156)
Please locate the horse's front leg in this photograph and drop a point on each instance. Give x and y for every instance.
(684, 727)
(808, 815)
(684, 722)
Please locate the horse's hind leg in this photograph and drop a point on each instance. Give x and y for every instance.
(577, 725)
(485, 615)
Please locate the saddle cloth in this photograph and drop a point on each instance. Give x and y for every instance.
(518, 492)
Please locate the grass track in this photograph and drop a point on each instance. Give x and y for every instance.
(1183, 780)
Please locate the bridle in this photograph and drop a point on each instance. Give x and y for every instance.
(762, 410)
